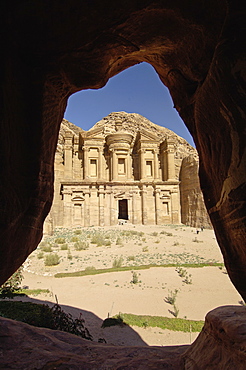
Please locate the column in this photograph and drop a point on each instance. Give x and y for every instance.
(157, 207)
(87, 207)
(114, 166)
(156, 165)
(144, 206)
(129, 166)
(101, 205)
(86, 152)
(68, 155)
(100, 164)
(142, 164)
(112, 209)
(170, 161)
(175, 206)
(134, 207)
(67, 208)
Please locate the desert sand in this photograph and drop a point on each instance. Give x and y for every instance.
(107, 294)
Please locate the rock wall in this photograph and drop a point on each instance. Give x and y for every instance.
(193, 211)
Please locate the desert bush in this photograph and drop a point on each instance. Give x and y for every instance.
(118, 241)
(171, 298)
(74, 239)
(12, 285)
(60, 240)
(145, 249)
(90, 268)
(52, 260)
(64, 247)
(131, 258)
(107, 243)
(98, 239)
(40, 255)
(154, 233)
(77, 232)
(81, 246)
(69, 256)
(134, 278)
(175, 311)
(46, 248)
(118, 262)
(42, 315)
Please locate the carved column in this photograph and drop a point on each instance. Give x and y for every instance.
(144, 206)
(170, 161)
(114, 166)
(142, 164)
(134, 207)
(156, 165)
(175, 208)
(157, 207)
(86, 151)
(101, 205)
(68, 155)
(129, 166)
(67, 208)
(100, 164)
(112, 209)
(87, 208)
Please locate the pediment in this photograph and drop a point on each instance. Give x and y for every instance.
(145, 135)
(96, 133)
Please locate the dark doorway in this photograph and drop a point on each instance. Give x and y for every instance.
(123, 209)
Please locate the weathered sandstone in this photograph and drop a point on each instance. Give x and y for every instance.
(125, 167)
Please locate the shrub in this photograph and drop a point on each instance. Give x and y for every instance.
(40, 255)
(69, 256)
(81, 246)
(117, 262)
(64, 247)
(12, 285)
(60, 240)
(46, 248)
(145, 249)
(74, 239)
(131, 258)
(98, 239)
(42, 315)
(77, 232)
(52, 260)
(171, 298)
(154, 233)
(107, 243)
(134, 277)
(90, 268)
(118, 241)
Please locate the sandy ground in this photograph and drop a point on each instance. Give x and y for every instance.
(110, 293)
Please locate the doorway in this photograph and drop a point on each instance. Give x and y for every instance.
(123, 209)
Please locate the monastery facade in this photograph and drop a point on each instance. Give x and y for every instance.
(125, 169)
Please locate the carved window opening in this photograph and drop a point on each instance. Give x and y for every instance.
(123, 209)
(149, 169)
(165, 208)
(121, 166)
(93, 167)
(77, 211)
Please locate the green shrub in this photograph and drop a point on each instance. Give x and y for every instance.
(74, 239)
(131, 258)
(42, 315)
(69, 256)
(46, 248)
(64, 247)
(90, 268)
(81, 246)
(98, 239)
(77, 232)
(12, 285)
(60, 240)
(171, 298)
(134, 278)
(145, 249)
(52, 260)
(118, 262)
(154, 233)
(40, 255)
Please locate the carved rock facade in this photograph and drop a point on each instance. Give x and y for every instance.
(124, 168)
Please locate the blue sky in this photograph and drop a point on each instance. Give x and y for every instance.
(135, 90)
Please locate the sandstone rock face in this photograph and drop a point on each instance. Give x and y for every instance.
(221, 343)
(147, 185)
(193, 211)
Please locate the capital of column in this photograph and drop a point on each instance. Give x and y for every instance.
(86, 148)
